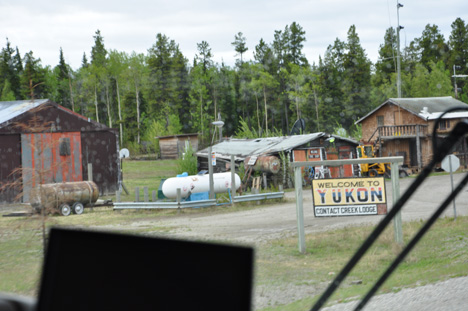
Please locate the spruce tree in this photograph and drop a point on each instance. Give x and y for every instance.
(432, 46)
(458, 44)
(11, 70)
(357, 80)
(63, 83)
(240, 46)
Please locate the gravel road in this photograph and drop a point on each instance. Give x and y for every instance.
(279, 220)
(449, 295)
(274, 221)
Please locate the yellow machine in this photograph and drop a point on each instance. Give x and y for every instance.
(371, 169)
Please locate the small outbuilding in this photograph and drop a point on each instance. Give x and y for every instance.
(172, 146)
(43, 142)
(265, 154)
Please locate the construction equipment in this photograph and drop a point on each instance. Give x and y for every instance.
(371, 169)
(377, 169)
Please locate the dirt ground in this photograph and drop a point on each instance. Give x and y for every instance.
(272, 221)
(279, 220)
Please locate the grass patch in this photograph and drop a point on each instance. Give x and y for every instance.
(440, 255)
(146, 174)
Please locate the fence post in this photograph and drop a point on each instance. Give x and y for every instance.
(117, 195)
(397, 223)
(299, 208)
(233, 177)
(178, 199)
(137, 194)
(90, 171)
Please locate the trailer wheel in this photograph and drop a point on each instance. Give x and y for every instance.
(65, 209)
(373, 173)
(78, 208)
(403, 174)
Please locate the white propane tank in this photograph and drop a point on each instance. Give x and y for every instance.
(198, 183)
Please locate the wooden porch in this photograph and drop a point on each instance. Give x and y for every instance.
(413, 132)
(401, 131)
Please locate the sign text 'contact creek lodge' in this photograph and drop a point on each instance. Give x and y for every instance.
(349, 196)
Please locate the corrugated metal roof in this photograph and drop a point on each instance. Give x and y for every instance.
(450, 115)
(242, 148)
(433, 104)
(177, 135)
(416, 105)
(12, 109)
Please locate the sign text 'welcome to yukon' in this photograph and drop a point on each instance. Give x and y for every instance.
(349, 196)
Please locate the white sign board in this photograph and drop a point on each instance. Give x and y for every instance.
(349, 196)
(252, 160)
(346, 210)
(446, 165)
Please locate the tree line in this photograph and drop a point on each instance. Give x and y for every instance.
(163, 93)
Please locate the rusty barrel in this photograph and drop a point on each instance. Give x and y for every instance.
(267, 164)
(52, 195)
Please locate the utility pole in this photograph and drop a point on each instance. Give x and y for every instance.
(397, 222)
(455, 76)
(399, 5)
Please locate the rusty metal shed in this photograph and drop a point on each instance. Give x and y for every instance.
(43, 142)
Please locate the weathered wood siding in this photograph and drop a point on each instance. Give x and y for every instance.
(10, 159)
(171, 147)
(392, 115)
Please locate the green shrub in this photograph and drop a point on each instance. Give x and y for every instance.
(187, 162)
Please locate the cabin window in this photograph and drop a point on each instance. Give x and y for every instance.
(64, 146)
(380, 120)
(444, 124)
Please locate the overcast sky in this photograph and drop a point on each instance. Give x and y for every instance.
(45, 26)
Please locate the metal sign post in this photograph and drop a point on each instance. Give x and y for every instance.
(233, 177)
(397, 222)
(210, 172)
(450, 164)
(299, 210)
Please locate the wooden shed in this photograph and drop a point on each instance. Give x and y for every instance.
(43, 142)
(296, 148)
(173, 146)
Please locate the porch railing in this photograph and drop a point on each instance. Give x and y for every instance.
(410, 130)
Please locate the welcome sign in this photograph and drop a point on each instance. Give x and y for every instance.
(349, 196)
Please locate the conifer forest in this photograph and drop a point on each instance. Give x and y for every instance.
(161, 92)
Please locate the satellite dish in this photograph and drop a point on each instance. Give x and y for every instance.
(124, 153)
(298, 127)
(218, 123)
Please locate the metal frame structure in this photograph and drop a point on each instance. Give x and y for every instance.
(298, 189)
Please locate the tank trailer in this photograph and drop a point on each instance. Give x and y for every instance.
(64, 198)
